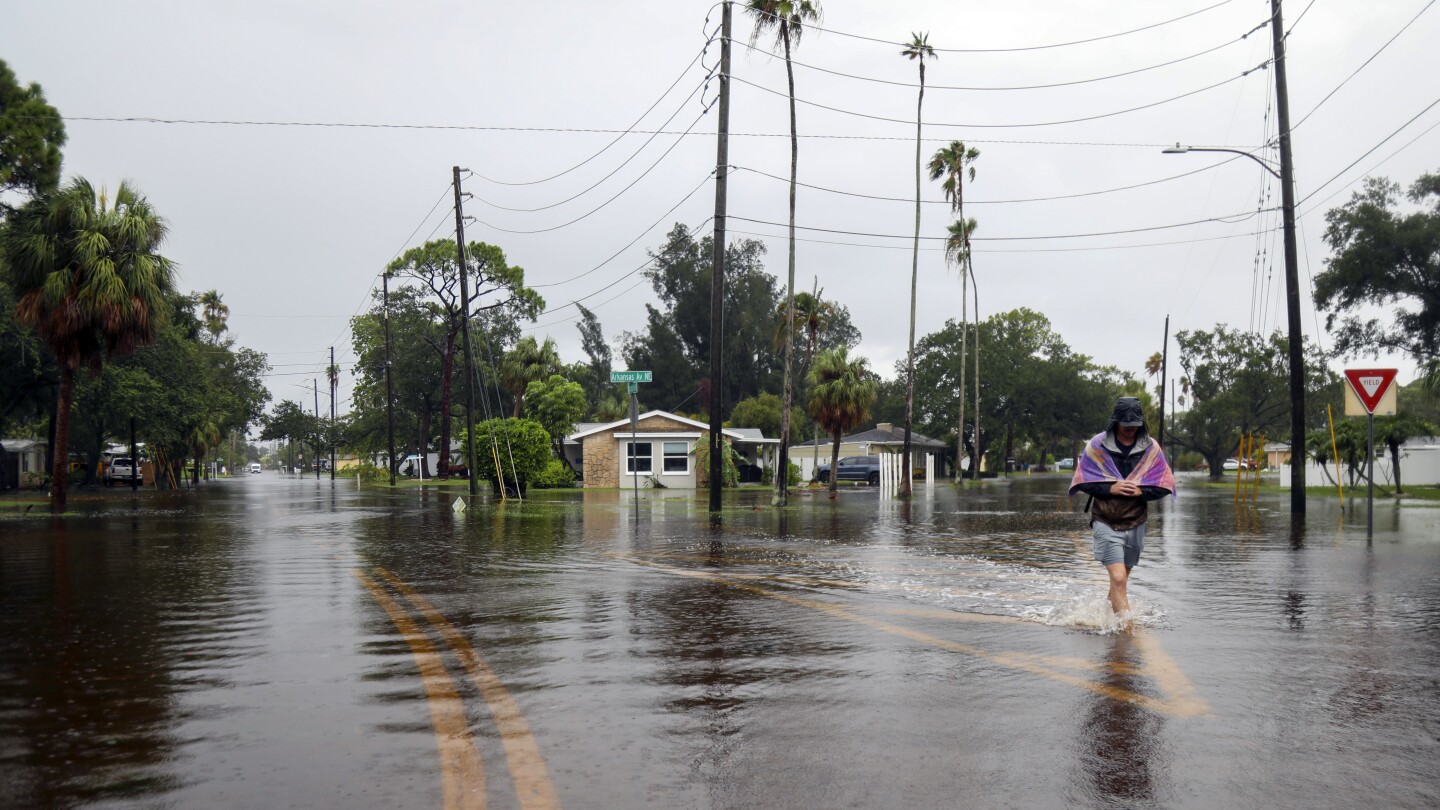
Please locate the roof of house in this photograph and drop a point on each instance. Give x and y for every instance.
(880, 436)
(20, 445)
(592, 428)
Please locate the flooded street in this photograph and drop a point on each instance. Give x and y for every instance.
(282, 642)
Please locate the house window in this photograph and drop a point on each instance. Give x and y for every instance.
(638, 458)
(677, 457)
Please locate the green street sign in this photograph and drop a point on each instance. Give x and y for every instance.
(633, 387)
(629, 376)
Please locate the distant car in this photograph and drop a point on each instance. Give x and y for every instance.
(255, 468)
(1065, 464)
(1234, 464)
(854, 468)
(122, 470)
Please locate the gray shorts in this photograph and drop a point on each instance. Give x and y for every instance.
(1112, 546)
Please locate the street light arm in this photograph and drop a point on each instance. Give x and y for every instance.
(1177, 149)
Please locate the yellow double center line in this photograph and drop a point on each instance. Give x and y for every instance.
(462, 776)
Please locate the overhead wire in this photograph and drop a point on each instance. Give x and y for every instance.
(1021, 49)
(911, 200)
(1363, 65)
(1229, 219)
(1073, 249)
(1022, 125)
(1368, 152)
(991, 88)
(622, 133)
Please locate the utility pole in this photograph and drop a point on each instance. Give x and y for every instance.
(334, 374)
(389, 390)
(1164, 364)
(315, 386)
(134, 460)
(1292, 275)
(717, 265)
(469, 353)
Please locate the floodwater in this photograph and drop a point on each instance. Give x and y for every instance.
(281, 642)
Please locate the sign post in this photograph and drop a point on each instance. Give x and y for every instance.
(632, 379)
(1371, 391)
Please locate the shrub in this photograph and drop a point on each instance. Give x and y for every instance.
(557, 474)
(524, 449)
(371, 474)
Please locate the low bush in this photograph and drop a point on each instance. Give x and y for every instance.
(556, 474)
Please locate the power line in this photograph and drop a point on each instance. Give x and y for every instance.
(628, 245)
(988, 88)
(601, 206)
(1382, 142)
(628, 130)
(1028, 47)
(612, 173)
(1078, 249)
(585, 130)
(1362, 64)
(1027, 124)
(1231, 219)
(911, 200)
(1367, 172)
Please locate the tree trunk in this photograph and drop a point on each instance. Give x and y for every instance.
(964, 336)
(1395, 465)
(447, 369)
(782, 473)
(979, 448)
(835, 466)
(60, 459)
(424, 438)
(905, 465)
(195, 470)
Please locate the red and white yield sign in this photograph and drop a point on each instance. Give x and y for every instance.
(1374, 390)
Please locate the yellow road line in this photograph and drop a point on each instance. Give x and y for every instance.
(462, 776)
(522, 754)
(1168, 675)
(1025, 662)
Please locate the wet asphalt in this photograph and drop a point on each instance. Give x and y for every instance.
(281, 642)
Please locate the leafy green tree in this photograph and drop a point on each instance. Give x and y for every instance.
(595, 375)
(31, 134)
(521, 445)
(27, 373)
(90, 281)
(558, 405)
(841, 393)
(529, 362)
(291, 423)
(415, 368)
(496, 288)
(1386, 259)
(918, 49)
(1239, 383)
(760, 411)
(787, 18)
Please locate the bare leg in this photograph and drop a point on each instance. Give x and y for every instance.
(1119, 578)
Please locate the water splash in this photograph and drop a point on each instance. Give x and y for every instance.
(1092, 612)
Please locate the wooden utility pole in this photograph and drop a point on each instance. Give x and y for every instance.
(717, 266)
(1292, 274)
(334, 373)
(389, 389)
(315, 387)
(1164, 362)
(469, 353)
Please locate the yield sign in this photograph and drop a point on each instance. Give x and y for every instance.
(1370, 384)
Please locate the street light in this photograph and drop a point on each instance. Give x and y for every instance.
(1292, 306)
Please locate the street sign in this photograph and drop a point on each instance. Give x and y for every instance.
(633, 387)
(1371, 391)
(629, 377)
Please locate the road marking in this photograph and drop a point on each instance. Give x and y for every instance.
(1182, 705)
(527, 766)
(461, 774)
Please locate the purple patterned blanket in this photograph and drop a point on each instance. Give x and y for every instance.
(1095, 466)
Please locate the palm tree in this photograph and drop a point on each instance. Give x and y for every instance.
(1393, 431)
(919, 48)
(953, 163)
(526, 363)
(215, 313)
(201, 438)
(90, 283)
(787, 18)
(841, 393)
(812, 314)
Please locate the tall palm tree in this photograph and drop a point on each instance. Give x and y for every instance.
(90, 282)
(812, 315)
(918, 49)
(526, 363)
(841, 394)
(215, 313)
(953, 162)
(787, 18)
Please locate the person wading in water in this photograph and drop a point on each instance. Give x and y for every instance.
(1122, 470)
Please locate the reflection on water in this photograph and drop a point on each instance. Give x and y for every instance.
(214, 650)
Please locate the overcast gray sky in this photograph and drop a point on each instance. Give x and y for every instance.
(293, 224)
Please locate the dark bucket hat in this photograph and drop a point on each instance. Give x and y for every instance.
(1128, 413)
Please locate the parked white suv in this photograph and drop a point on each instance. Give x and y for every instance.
(122, 470)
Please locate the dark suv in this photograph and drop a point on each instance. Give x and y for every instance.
(854, 468)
